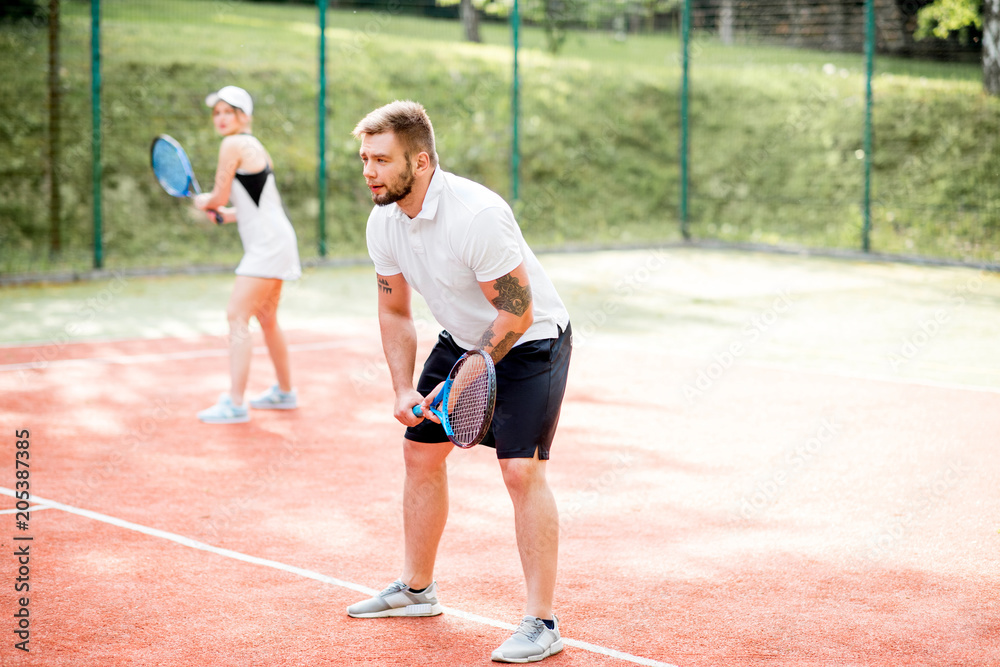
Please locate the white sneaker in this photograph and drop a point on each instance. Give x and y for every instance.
(532, 642)
(225, 412)
(275, 399)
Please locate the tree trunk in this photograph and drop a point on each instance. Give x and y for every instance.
(891, 34)
(991, 46)
(55, 122)
(726, 17)
(470, 21)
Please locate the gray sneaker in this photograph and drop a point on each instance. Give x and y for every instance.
(275, 399)
(532, 642)
(398, 600)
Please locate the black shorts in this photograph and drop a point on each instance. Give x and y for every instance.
(531, 382)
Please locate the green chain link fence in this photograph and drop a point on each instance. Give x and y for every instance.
(824, 125)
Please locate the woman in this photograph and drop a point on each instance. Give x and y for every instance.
(245, 177)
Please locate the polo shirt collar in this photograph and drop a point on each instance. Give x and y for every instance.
(429, 208)
(432, 196)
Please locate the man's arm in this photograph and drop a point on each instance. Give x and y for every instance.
(510, 294)
(399, 343)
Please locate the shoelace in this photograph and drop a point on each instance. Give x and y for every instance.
(531, 628)
(394, 587)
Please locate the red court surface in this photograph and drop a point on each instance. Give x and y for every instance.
(778, 516)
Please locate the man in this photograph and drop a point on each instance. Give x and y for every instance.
(457, 244)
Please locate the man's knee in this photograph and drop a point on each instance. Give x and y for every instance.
(522, 475)
(425, 458)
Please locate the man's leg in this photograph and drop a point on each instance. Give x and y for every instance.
(536, 521)
(425, 512)
(425, 508)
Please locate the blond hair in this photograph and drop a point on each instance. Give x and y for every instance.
(408, 121)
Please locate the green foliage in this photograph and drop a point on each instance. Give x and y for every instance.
(555, 16)
(943, 17)
(558, 17)
(776, 134)
(619, 13)
(17, 10)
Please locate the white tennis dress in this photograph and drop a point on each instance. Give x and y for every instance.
(270, 248)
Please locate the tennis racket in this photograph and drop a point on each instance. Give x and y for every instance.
(173, 170)
(465, 403)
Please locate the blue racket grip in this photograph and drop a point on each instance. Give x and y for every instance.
(218, 218)
(435, 403)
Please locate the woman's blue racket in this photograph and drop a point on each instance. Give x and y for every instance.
(173, 170)
(465, 402)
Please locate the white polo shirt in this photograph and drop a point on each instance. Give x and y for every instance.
(464, 234)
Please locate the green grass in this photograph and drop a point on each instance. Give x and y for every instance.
(775, 133)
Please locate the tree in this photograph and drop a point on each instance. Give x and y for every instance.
(727, 16)
(553, 15)
(468, 11)
(14, 10)
(470, 21)
(943, 17)
(55, 131)
(991, 46)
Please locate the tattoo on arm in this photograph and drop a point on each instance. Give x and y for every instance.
(485, 339)
(501, 349)
(512, 297)
(383, 285)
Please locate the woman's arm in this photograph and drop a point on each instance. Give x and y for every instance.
(230, 159)
(228, 214)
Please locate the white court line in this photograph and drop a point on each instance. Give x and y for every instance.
(33, 508)
(128, 360)
(310, 574)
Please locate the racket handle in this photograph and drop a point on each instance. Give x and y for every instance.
(435, 403)
(218, 218)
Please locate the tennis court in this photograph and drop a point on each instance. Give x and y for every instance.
(762, 459)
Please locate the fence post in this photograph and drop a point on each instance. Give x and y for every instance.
(321, 131)
(685, 57)
(55, 131)
(515, 110)
(95, 114)
(869, 66)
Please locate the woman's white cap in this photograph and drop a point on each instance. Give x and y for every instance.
(233, 96)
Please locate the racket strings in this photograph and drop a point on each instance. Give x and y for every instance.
(469, 400)
(169, 168)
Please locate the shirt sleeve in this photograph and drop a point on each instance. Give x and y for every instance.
(378, 246)
(492, 246)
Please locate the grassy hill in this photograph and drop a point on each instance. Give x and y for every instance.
(776, 133)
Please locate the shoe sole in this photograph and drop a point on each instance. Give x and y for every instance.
(412, 610)
(556, 647)
(241, 420)
(273, 407)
